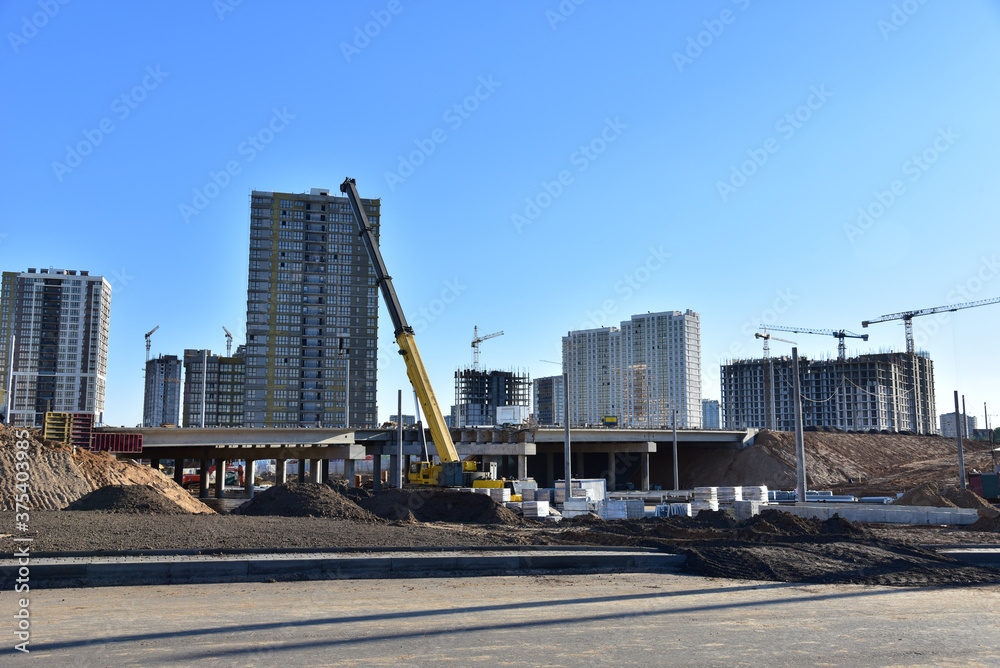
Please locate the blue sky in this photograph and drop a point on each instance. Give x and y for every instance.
(542, 167)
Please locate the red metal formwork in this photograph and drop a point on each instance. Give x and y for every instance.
(81, 430)
(116, 442)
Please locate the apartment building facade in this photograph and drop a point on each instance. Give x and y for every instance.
(162, 397)
(645, 373)
(56, 323)
(221, 381)
(886, 391)
(548, 401)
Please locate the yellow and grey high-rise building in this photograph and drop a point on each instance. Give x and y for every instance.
(312, 313)
(59, 321)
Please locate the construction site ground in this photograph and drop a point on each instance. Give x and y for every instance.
(131, 508)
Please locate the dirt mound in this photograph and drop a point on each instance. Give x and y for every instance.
(839, 562)
(60, 476)
(965, 498)
(430, 505)
(304, 499)
(356, 494)
(127, 499)
(884, 463)
(927, 494)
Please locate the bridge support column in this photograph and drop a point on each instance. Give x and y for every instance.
(179, 471)
(377, 473)
(154, 464)
(612, 480)
(550, 469)
(522, 467)
(203, 484)
(280, 471)
(220, 478)
(349, 472)
(248, 468)
(578, 466)
(644, 469)
(302, 469)
(394, 463)
(324, 471)
(314, 473)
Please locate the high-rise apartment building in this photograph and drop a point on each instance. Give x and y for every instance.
(948, 425)
(549, 400)
(162, 399)
(645, 373)
(312, 313)
(710, 414)
(222, 388)
(59, 320)
(886, 391)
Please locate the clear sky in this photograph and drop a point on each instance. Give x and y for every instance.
(543, 166)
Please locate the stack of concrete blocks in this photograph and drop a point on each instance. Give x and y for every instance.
(499, 494)
(744, 510)
(543, 494)
(628, 509)
(758, 493)
(535, 510)
(674, 510)
(729, 495)
(575, 507)
(704, 498)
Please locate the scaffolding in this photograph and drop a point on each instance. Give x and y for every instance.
(478, 394)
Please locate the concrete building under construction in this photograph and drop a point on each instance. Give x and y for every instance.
(478, 394)
(886, 391)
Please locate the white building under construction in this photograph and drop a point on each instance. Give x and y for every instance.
(640, 375)
(885, 392)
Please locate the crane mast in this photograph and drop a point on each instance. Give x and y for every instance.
(229, 342)
(908, 316)
(148, 344)
(476, 340)
(404, 334)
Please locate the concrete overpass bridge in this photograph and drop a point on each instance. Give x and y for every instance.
(621, 456)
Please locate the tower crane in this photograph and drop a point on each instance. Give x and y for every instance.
(772, 418)
(908, 316)
(229, 341)
(841, 334)
(148, 344)
(476, 340)
(767, 337)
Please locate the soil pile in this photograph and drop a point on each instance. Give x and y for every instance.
(60, 476)
(127, 499)
(356, 494)
(434, 505)
(885, 463)
(304, 499)
(782, 547)
(926, 494)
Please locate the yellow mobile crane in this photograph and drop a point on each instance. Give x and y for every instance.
(452, 471)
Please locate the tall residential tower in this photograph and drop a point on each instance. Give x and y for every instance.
(312, 313)
(60, 320)
(162, 400)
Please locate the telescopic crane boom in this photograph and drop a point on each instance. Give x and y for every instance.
(908, 316)
(407, 346)
(841, 334)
